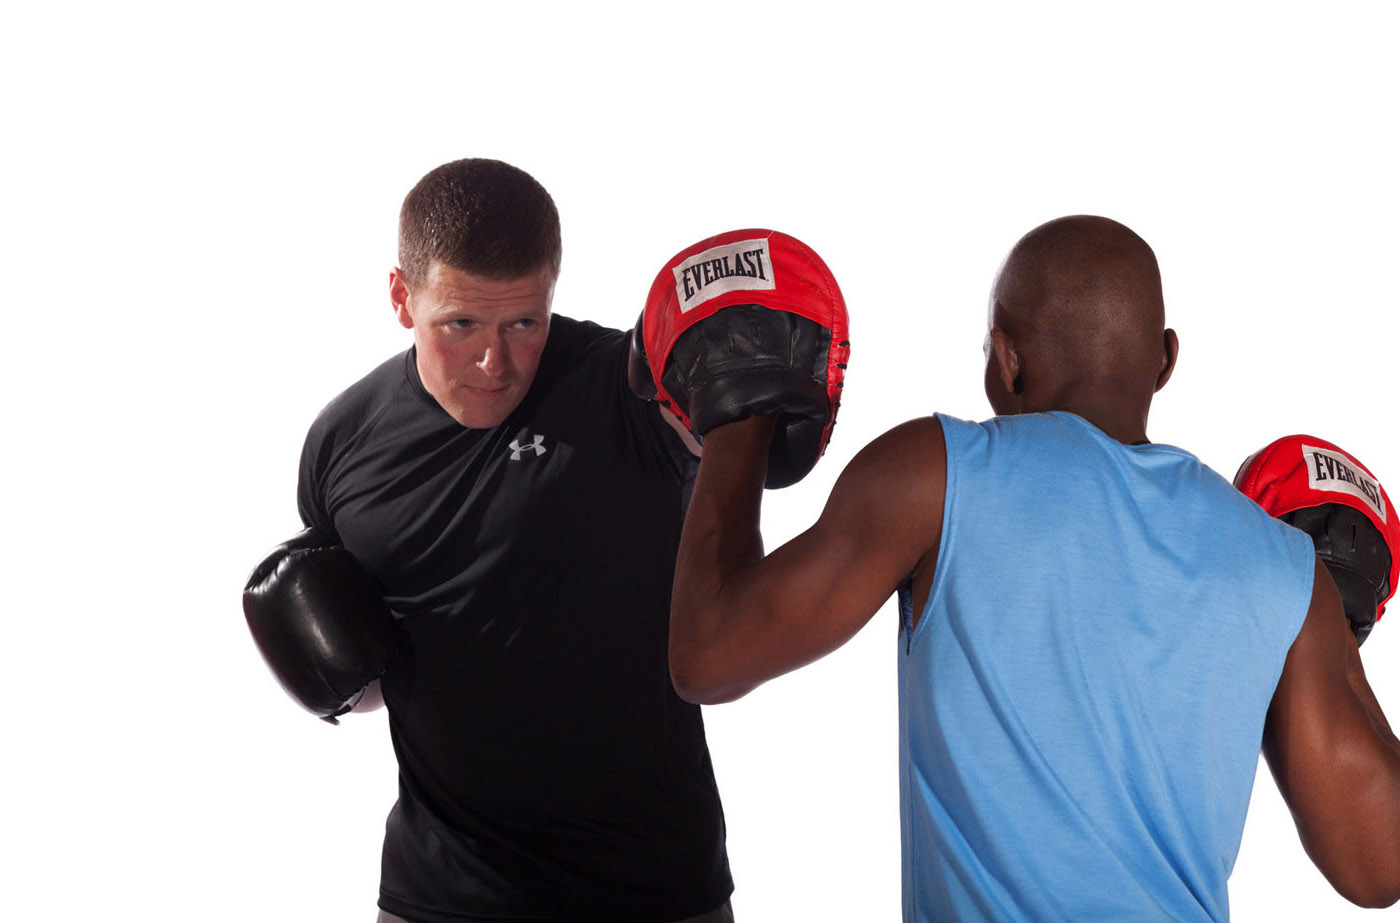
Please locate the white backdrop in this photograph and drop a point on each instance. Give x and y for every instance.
(198, 222)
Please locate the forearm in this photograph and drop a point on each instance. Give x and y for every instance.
(1376, 778)
(1355, 841)
(1356, 677)
(1334, 757)
(721, 536)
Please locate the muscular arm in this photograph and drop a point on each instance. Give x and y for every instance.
(739, 618)
(1334, 757)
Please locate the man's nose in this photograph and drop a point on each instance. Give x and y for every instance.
(494, 356)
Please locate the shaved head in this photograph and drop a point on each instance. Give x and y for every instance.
(1077, 323)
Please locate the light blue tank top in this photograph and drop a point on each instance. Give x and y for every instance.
(1082, 701)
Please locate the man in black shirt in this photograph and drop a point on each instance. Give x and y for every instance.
(518, 508)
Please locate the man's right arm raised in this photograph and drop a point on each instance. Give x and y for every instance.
(1334, 756)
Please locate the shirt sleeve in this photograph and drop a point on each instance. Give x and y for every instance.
(653, 435)
(311, 486)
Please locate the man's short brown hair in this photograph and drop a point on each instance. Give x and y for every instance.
(480, 216)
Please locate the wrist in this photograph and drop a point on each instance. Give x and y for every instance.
(752, 429)
(736, 453)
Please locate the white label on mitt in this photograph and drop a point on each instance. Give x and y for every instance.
(743, 264)
(1330, 471)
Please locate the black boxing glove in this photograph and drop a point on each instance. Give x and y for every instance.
(1322, 490)
(743, 323)
(320, 622)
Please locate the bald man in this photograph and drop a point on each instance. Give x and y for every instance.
(1098, 633)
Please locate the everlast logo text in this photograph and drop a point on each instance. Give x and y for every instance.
(749, 263)
(1329, 471)
(742, 265)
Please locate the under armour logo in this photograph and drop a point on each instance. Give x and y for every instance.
(516, 449)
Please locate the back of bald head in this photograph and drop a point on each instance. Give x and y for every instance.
(1085, 294)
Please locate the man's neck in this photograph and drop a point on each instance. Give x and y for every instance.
(1128, 425)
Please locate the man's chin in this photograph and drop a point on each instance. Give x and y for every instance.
(484, 414)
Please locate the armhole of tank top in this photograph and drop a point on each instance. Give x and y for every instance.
(904, 598)
(1309, 574)
(914, 631)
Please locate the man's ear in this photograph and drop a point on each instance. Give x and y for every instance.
(1005, 359)
(398, 297)
(1170, 348)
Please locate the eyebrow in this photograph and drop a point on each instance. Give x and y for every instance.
(449, 311)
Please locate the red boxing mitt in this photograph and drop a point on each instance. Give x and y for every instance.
(748, 322)
(1317, 487)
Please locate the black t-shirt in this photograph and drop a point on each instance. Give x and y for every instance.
(547, 769)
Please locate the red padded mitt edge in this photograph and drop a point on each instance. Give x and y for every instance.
(1277, 478)
(775, 270)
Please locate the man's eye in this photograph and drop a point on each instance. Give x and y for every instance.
(525, 323)
(459, 324)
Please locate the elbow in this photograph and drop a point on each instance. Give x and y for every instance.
(690, 680)
(1369, 879)
(1373, 885)
(692, 672)
(700, 683)
(686, 676)
(688, 692)
(1375, 896)
(682, 679)
(1366, 871)
(707, 668)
